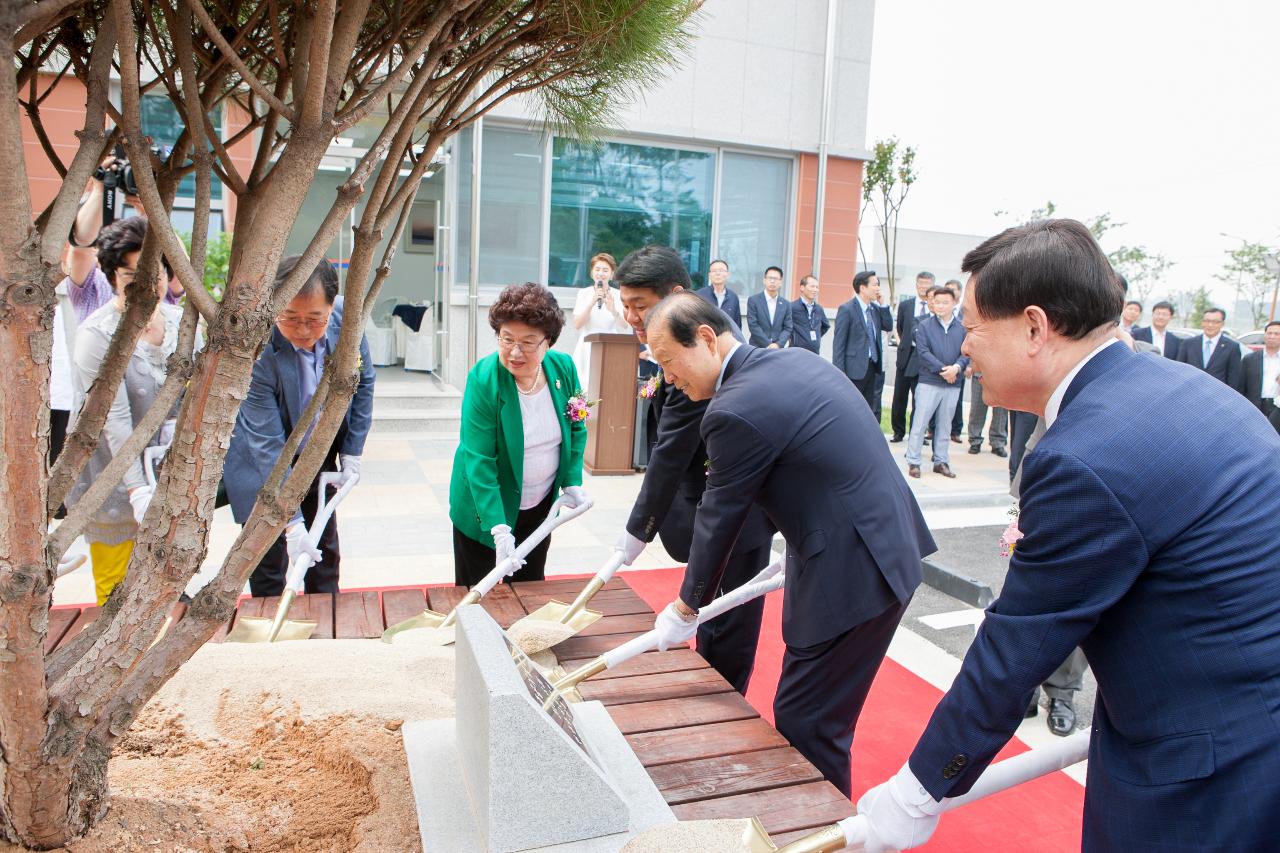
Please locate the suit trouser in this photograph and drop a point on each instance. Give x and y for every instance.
(957, 418)
(871, 387)
(1275, 419)
(978, 419)
(1067, 678)
(729, 641)
(930, 400)
(822, 690)
(903, 389)
(268, 578)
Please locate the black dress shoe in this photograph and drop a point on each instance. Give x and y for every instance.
(1062, 717)
(957, 439)
(974, 451)
(944, 469)
(913, 471)
(1000, 451)
(895, 439)
(1032, 709)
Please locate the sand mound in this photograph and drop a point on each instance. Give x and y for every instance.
(693, 836)
(538, 635)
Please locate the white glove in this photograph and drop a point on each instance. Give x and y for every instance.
(167, 431)
(297, 543)
(503, 542)
(140, 499)
(574, 497)
(900, 813)
(630, 546)
(673, 628)
(349, 463)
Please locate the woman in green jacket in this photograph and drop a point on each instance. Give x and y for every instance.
(521, 439)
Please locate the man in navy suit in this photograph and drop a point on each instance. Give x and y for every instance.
(284, 380)
(1213, 352)
(858, 347)
(822, 473)
(1260, 371)
(719, 293)
(808, 319)
(768, 314)
(1173, 602)
(911, 310)
(1165, 342)
(677, 474)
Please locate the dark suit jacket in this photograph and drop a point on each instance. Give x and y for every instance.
(676, 476)
(731, 305)
(801, 325)
(1251, 377)
(908, 361)
(822, 473)
(274, 404)
(1224, 364)
(762, 331)
(849, 348)
(1172, 342)
(1173, 603)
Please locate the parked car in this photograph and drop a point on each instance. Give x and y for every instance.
(1252, 340)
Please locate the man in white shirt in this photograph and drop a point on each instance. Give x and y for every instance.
(768, 314)
(719, 294)
(808, 319)
(1130, 315)
(1157, 334)
(1260, 371)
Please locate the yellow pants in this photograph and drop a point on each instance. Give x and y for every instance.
(109, 563)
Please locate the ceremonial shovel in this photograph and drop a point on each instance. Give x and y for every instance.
(998, 777)
(431, 619)
(767, 581)
(574, 617)
(259, 629)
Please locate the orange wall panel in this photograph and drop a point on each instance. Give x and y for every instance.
(839, 227)
(61, 115)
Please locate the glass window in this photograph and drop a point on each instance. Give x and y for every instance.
(755, 193)
(160, 121)
(617, 197)
(510, 206)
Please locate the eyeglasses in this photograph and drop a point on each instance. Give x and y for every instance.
(303, 322)
(510, 344)
(126, 275)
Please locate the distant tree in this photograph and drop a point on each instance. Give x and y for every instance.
(1199, 303)
(1246, 271)
(888, 177)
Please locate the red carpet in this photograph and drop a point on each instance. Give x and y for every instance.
(1043, 815)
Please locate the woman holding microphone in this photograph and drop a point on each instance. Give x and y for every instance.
(598, 309)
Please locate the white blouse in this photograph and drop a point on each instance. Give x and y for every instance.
(541, 446)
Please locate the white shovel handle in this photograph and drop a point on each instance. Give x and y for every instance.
(297, 574)
(150, 459)
(648, 641)
(609, 569)
(1000, 776)
(555, 517)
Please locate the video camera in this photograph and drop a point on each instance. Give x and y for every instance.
(119, 175)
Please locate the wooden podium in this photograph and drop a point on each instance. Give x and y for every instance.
(611, 429)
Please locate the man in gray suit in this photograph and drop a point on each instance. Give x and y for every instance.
(284, 380)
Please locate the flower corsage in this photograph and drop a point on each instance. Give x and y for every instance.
(649, 389)
(578, 407)
(1009, 539)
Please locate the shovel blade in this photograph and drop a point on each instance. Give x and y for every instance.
(425, 619)
(554, 611)
(256, 629)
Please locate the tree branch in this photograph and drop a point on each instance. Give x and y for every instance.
(250, 79)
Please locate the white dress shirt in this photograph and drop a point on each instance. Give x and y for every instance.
(1055, 399)
(772, 303)
(1270, 375)
(724, 365)
(541, 447)
(1157, 339)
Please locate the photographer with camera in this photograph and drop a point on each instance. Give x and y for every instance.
(598, 309)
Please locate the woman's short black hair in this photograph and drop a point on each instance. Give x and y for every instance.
(531, 304)
(658, 268)
(119, 239)
(1053, 263)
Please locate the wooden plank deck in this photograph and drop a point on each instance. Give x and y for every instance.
(708, 751)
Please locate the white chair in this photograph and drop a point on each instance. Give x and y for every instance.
(381, 337)
(420, 347)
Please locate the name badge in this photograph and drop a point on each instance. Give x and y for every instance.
(813, 334)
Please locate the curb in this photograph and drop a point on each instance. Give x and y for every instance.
(947, 580)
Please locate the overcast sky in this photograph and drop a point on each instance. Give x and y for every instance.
(1166, 114)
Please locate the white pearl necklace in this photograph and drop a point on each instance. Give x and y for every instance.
(537, 381)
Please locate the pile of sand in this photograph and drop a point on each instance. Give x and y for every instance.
(282, 747)
(538, 635)
(694, 836)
